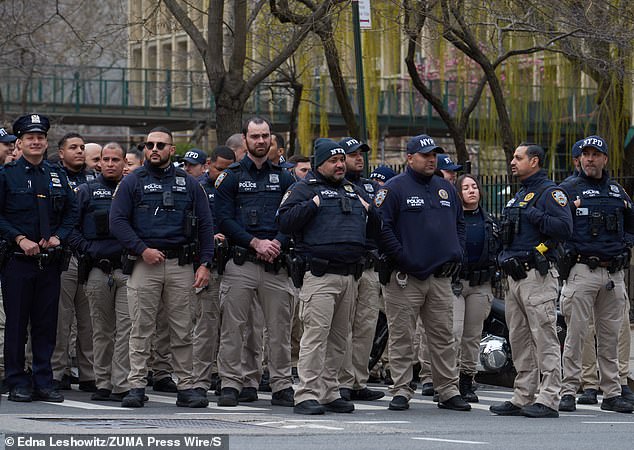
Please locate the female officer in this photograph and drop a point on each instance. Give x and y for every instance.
(473, 289)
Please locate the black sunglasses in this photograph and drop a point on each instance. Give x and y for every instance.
(159, 145)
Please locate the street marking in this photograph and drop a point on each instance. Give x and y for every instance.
(364, 407)
(298, 423)
(374, 422)
(84, 405)
(611, 423)
(453, 441)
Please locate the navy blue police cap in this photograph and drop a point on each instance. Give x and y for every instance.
(351, 145)
(31, 123)
(444, 162)
(596, 142)
(576, 149)
(195, 156)
(422, 144)
(382, 173)
(5, 137)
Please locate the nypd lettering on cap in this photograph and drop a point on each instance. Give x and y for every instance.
(426, 142)
(593, 142)
(351, 142)
(337, 151)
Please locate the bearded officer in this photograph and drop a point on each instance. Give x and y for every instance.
(327, 216)
(602, 214)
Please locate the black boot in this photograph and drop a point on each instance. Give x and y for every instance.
(467, 392)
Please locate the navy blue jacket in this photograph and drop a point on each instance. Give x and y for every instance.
(544, 217)
(18, 203)
(210, 190)
(423, 223)
(88, 194)
(247, 200)
(327, 231)
(614, 217)
(130, 195)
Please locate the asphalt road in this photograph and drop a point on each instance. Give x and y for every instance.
(259, 425)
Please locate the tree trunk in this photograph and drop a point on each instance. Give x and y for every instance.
(228, 116)
(338, 83)
(292, 120)
(504, 121)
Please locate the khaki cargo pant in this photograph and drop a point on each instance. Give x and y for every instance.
(583, 296)
(207, 318)
(432, 300)
(324, 310)
(149, 287)
(531, 316)
(240, 289)
(365, 311)
(111, 324)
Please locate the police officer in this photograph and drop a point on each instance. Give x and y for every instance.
(354, 373)
(327, 216)
(602, 214)
(207, 309)
(381, 174)
(248, 194)
(473, 285)
(424, 234)
(160, 215)
(447, 167)
(7, 144)
(534, 222)
(73, 304)
(37, 213)
(99, 269)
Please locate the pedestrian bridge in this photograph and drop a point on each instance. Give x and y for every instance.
(181, 100)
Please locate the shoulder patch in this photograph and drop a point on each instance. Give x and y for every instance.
(560, 197)
(443, 194)
(380, 197)
(287, 194)
(529, 196)
(221, 177)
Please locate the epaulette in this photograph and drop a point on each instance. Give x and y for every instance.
(234, 166)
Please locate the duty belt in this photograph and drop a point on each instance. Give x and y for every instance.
(108, 265)
(170, 253)
(618, 262)
(318, 267)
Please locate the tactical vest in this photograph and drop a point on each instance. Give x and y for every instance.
(95, 221)
(515, 223)
(164, 205)
(367, 186)
(257, 200)
(491, 242)
(600, 215)
(341, 217)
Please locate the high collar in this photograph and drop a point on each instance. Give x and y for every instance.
(535, 179)
(25, 163)
(250, 164)
(353, 176)
(160, 171)
(323, 179)
(418, 177)
(110, 183)
(597, 181)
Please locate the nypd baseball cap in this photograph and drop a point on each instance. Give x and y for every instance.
(444, 162)
(596, 142)
(576, 149)
(382, 173)
(5, 137)
(422, 144)
(351, 145)
(325, 149)
(31, 123)
(195, 156)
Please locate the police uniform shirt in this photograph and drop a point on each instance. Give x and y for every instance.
(130, 198)
(92, 235)
(247, 199)
(335, 230)
(603, 218)
(423, 223)
(543, 214)
(18, 203)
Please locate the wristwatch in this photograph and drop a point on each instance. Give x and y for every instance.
(207, 265)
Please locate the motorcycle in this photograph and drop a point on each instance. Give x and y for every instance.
(495, 362)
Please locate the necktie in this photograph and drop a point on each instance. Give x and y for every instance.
(41, 191)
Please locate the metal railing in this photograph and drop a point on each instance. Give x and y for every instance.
(178, 92)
